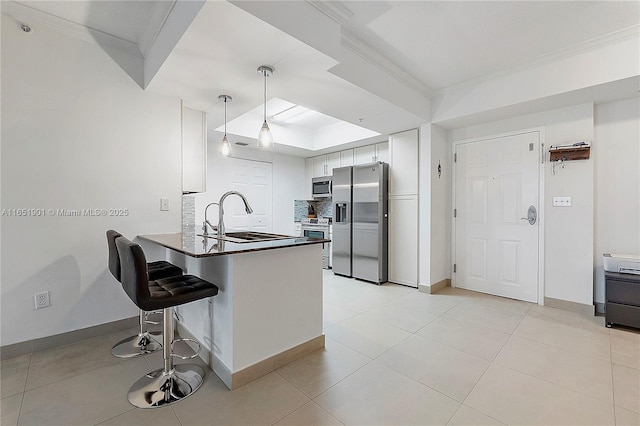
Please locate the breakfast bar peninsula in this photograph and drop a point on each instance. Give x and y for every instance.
(268, 311)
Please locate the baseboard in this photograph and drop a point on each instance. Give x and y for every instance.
(569, 306)
(259, 369)
(242, 377)
(434, 288)
(424, 288)
(75, 336)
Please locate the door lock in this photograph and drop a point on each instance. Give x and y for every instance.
(532, 215)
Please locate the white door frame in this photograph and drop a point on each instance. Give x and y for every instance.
(541, 203)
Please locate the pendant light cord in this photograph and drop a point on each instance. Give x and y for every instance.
(264, 73)
(225, 116)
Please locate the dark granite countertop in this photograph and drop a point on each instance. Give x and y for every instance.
(196, 246)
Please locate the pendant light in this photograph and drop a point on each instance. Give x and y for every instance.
(265, 139)
(224, 148)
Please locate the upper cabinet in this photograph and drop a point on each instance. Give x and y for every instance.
(319, 166)
(194, 150)
(308, 168)
(346, 158)
(382, 152)
(403, 153)
(323, 165)
(333, 162)
(371, 153)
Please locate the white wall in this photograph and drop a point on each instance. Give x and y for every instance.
(568, 231)
(616, 154)
(526, 88)
(424, 206)
(77, 133)
(289, 183)
(440, 206)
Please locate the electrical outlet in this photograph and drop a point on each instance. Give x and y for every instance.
(561, 201)
(42, 299)
(164, 204)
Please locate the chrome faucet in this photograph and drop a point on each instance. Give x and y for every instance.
(206, 221)
(247, 208)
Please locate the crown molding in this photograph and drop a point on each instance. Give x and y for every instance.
(334, 10)
(594, 43)
(25, 14)
(342, 15)
(353, 43)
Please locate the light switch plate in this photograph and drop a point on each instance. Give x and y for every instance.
(561, 201)
(164, 204)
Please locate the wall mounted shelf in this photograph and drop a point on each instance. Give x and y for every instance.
(569, 153)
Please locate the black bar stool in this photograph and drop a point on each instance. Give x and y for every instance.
(173, 382)
(142, 343)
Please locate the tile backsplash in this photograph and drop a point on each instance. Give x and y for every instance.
(188, 219)
(323, 208)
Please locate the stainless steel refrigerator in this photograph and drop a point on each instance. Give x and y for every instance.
(341, 237)
(360, 221)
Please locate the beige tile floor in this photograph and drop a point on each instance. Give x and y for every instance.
(393, 356)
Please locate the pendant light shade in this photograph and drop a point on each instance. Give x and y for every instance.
(224, 148)
(265, 139)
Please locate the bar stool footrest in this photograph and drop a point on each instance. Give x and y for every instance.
(153, 321)
(140, 344)
(196, 351)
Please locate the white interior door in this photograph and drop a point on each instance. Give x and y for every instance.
(254, 180)
(496, 251)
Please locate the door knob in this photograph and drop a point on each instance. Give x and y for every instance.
(532, 215)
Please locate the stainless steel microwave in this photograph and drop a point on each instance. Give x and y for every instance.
(321, 187)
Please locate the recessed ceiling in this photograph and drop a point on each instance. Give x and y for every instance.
(296, 126)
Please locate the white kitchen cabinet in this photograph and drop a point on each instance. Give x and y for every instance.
(382, 152)
(371, 153)
(319, 166)
(298, 229)
(403, 239)
(333, 162)
(403, 160)
(403, 208)
(308, 176)
(346, 158)
(364, 154)
(194, 150)
(323, 165)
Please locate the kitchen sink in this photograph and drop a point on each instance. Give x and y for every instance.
(249, 237)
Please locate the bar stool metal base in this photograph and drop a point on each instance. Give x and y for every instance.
(140, 344)
(158, 388)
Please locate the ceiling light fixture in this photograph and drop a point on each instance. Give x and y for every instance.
(225, 147)
(265, 139)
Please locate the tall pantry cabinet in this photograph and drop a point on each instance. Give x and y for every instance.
(403, 208)
(194, 151)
